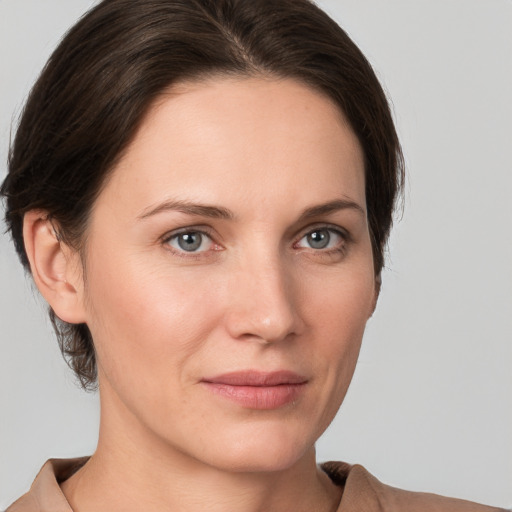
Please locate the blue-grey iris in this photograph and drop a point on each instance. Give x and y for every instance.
(319, 239)
(190, 241)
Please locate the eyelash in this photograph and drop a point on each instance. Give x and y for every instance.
(339, 249)
(344, 236)
(188, 231)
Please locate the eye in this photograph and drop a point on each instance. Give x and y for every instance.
(190, 241)
(322, 238)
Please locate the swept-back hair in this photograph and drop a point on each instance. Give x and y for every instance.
(108, 70)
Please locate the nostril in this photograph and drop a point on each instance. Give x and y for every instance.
(251, 325)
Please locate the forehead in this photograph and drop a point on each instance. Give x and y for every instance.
(228, 139)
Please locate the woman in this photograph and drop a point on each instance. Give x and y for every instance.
(199, 189)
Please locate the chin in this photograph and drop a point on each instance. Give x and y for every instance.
(251, 462)
(264, 450)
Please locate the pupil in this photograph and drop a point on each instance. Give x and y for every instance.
(190, 241)
(319, 239)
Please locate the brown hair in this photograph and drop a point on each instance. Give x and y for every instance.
(103, 77)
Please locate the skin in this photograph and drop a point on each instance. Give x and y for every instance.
(255, 295)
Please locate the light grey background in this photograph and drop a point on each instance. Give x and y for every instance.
(430, 405)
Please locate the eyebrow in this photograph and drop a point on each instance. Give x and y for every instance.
(331, 207)
(202, 210)
(218, 212)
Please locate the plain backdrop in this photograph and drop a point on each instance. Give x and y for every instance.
(430, 407)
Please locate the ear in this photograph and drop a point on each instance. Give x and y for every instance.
(55, 267)
(378, 283)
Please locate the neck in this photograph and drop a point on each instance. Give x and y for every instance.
(132, 471)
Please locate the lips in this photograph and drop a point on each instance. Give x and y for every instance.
(258, 390)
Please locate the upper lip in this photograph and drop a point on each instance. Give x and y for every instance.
(257, 378)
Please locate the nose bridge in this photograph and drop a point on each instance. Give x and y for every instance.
(263, 305)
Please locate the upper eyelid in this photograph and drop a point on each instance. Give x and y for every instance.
(166, 239)
(333, 227)
(204, 230)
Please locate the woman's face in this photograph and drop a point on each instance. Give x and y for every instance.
(229, 273)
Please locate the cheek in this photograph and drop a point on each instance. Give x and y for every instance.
(143, 321)
(340, 303)
(338, 316)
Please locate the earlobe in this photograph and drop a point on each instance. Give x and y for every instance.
(55, 267)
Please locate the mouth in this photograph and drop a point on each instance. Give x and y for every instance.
(258, 390)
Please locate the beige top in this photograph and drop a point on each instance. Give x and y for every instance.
(361, 492)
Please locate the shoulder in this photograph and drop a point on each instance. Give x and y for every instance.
(27, 503)
(45, 494)
(362, 491)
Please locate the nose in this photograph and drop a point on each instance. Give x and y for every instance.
(263, 305)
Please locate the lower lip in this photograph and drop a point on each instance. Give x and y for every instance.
(258, 397)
